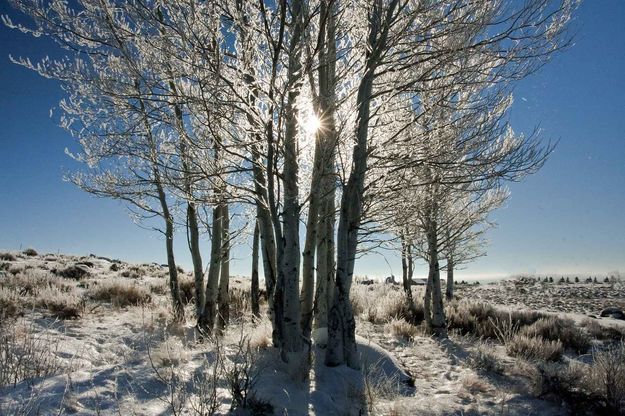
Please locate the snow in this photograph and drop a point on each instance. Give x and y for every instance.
(105, 368)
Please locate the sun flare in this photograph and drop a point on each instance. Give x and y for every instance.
(312, 123)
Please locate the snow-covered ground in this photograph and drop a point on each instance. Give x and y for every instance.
(112, 359)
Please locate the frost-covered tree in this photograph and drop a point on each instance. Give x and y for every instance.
(211, 102)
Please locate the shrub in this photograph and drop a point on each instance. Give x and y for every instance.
(242, 372)
(557, 329)
(134, 272)
(483, 359)
(75, 272)
(240, 303)
(379, 303)
(401, 329)
(485, 321)
(170, 353)
(602, 332)
(7, 256)
(534, 348)
(30, 252)
(62, 310)
(561, 380)
(378, 386)
(121, 295)
(9, 305)
(161, 289)
(24, 355)
(187, 290)
(607, 376)
(474, 384)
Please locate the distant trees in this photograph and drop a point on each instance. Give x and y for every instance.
(351, 118)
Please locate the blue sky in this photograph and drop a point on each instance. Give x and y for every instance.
(568, 218)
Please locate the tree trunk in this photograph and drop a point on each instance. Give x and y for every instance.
(324, 292)
(206, 321)
(254, 295)
(308, 273)
(290, 262)
(223, 295)
(196, 257)
(263, 186)
(341, 324)
(427, 298)
(407, 273)
(174, 286)
(449, 290)
(438, 322)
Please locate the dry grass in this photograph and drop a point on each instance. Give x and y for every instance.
(260, 338)
(34, 288)
(485, 321)
(121, 294)
(607, 376)
(9, 304)
(31, 282)
(6, 256)
(557, 329)
(24, 353)
(377, 387)
(169, 353)
(534, 348)
(484, 359)
(401, 329)
(30, 252)
(475, 384)
(74, 272)
(602, 332)
(381, 304)
(240, 303)
(187, 290)
(134, 272)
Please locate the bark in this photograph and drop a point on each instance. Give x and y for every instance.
(254, 295)
(308, 277)
(341, 324)
(327, 141)
(290, 264)
(192, 222)
(438, 321)
(206, 321)
(407, 273)
(196, 257)
(449, 290)
(174, 286)
(267, 241)
(262, 185)
(324, 292)
(427, 298)
(223, 296)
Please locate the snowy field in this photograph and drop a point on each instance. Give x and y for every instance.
(89, 335)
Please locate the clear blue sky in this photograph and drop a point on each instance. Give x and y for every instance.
(568, 218)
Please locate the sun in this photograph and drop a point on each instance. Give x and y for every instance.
(312, 123)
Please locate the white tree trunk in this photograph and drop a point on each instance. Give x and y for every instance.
(254, 292)
(206, 321)
(449, 290)
(223, 295)
(407, 272)
(290, 267)
(438, 323)
(341, 324)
